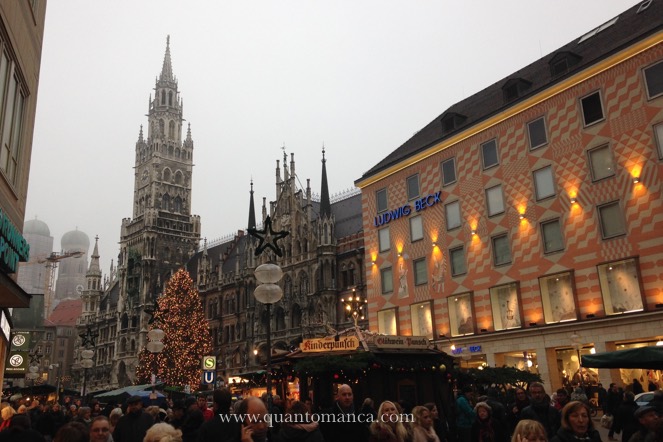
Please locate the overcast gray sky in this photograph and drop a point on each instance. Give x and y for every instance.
(360, 76)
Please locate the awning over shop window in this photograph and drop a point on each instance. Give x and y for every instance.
(650, 357)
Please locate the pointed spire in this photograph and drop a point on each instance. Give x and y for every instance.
(325, 204)
(94, 269)
(252, 210)
(140, 135)
(205, 247)
(167, 69)
(188, 132)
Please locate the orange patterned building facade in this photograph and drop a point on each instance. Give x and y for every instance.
(524, 225)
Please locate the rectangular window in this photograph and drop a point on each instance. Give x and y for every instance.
(537, 133)
(387, 322)
(420, 271)
(448, 171)
(544, 183)
(457, 258)
(658, 134)
(422, 320)
(654, 80)
(413, 187)
(611, 219)
(501, 250)
(384, 240)
(552, 236)
(601, 164)
(620, 286)
(381, 200)
(12, 110)
(489, 154)
(505, 303)
(452, 215)
(558, 298)
(592, 111)
(416, 228)
(495, 200)
(387, 279)
(461, 314)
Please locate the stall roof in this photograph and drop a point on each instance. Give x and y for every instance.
(650, 357)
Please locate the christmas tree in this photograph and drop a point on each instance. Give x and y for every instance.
(179, 313)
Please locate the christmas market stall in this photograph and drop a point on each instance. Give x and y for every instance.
(398, 368)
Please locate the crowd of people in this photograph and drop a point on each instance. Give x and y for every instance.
(493, 416)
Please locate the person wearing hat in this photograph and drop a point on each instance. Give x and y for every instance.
(649, 420)
(134, 424)
(485, 427)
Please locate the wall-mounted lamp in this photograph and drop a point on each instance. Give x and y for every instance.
(400, 255)
(574, 200)
(373, 262)
(473, 232)
(521, 216)
(636, 179)
(434, 244)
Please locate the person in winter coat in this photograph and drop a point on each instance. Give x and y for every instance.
(624, 420)
(422, 430)
(440, 424)
(485, 428)
(298, 426)
(576, 424)
(388, 426)
(541, 410)
(465, 415)
(514, 409)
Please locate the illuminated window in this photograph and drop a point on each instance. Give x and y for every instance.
(387, 322)
(558, 298)
(620, 286)
(505, 303)
(461, 314)
(422, 319)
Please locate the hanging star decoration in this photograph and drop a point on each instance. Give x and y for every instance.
(35, 358)
(89, 338)
(268, 238)
(151, 311)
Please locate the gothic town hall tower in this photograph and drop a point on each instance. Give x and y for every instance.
(162, 234)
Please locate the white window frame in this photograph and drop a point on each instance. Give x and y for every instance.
(387, 280)
(416, 228)
(544, 183)
(445, 181)
(530, 125)
(611, 213)
(494, 242)
(388, 321)
(412, 178)
(453, 252)
(548, 243)
(483, 156)
(495, 207)
(620, 283)
(377, 200)
(384, 240)
(449, 215)
(658, 65)
(601, 162)
(420, 268)
(582, 109)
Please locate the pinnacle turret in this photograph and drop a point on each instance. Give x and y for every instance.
(167, 69)
(325, 203)
(252, 210)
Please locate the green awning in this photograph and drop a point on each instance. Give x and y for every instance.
(650, 357)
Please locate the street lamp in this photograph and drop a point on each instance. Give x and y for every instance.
(268, 293)
(577, 345)
(89, 341)
(155, 346)
(354, 306)
(57, 378)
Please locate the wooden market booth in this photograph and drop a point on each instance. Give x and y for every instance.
(396, 368)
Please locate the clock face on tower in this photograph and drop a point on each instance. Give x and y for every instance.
(79, 288)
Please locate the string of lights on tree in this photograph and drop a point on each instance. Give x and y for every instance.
(179, 313)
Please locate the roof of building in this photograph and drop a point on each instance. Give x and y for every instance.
(66, 312)
(606, 39)
(36, 227)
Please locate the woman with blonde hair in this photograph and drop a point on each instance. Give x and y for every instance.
(162, 432)
(7, 413)
(388, 426)
(576, 424)
(422, 430)
(528, 430)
